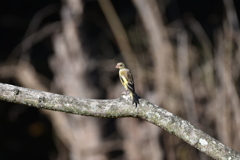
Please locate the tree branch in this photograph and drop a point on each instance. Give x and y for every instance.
(117, 108)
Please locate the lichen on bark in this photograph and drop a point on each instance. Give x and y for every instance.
(120, 107)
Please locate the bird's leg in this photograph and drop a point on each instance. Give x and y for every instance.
(125, 92)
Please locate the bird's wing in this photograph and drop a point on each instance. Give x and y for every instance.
(127, 78)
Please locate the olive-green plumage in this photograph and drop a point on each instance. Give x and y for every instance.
(126, 79)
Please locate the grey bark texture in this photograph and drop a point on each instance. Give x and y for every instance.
(121, 107)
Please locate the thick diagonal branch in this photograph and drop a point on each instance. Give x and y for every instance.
(117, 108)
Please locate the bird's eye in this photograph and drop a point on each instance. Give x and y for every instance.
(120, 64)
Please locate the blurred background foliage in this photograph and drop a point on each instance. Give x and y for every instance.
(184, 56)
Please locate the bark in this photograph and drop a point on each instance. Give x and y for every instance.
(121, 107)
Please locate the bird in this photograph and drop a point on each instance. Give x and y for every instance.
(126, 79)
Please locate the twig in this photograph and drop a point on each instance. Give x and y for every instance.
(117, 108)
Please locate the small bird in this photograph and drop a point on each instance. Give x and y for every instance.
(126, 79)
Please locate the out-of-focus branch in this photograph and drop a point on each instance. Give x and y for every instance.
(32, 39)
(228, 83)
(70, 64)
(231, 14)
(185, 81)
(117, 108)
(158, 42)
(118, 31)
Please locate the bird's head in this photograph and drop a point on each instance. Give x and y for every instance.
(120, 65)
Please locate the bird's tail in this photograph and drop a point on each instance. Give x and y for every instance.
(135, 99)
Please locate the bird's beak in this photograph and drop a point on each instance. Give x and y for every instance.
(117, 66)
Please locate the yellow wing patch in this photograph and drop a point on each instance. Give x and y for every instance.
(123, 78)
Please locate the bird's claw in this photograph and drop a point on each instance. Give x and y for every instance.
(125, 92)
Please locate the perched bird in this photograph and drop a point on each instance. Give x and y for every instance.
(126, 79)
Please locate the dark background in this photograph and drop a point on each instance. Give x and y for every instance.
(26, 133)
